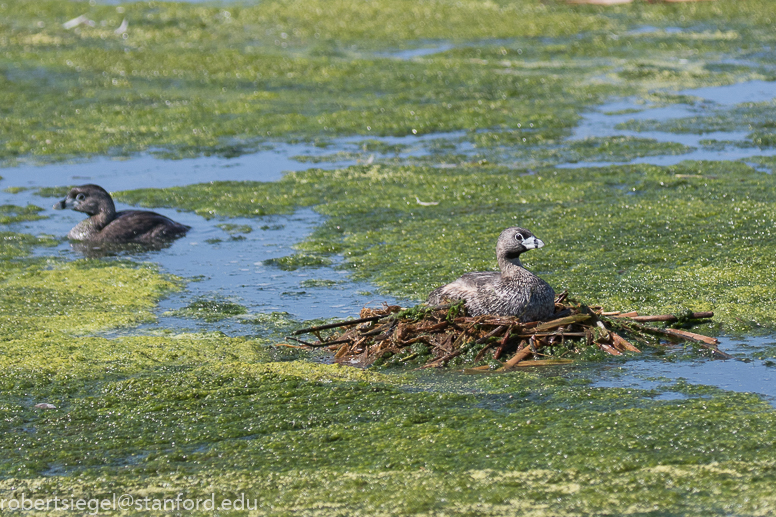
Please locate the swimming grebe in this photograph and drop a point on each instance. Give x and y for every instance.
(105, 225)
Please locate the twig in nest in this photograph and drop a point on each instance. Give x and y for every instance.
(319, 343)
(342, 351)
(495, 332)
(551, 334)
(568, 320)
(672, 318)
(519, 356)
(503, 344)
(621, 343)
(375, 331)
(300, 341)
(447, 344)
(532, 344)
(442, 360)
(335, 325)
(498, 330)
(703, 341)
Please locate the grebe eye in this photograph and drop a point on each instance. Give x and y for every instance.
(80, 197)
(519, 237)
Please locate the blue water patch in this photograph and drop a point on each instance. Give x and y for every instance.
(603, 122)
(747, 374)
(148, 171)
(650, 29)
(412, 53)
(732, 94)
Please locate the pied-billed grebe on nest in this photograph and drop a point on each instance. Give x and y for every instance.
(105, 225)
(514, 291)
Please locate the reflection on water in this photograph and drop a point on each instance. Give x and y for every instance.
(96, 250)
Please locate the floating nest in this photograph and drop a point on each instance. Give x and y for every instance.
(433, 336)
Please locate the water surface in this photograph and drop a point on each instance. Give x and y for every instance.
(231, 267)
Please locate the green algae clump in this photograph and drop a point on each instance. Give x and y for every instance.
(80, 297)
(14, 214)
(209, 310)
(297, 261)
(235, 229)
(14, 245)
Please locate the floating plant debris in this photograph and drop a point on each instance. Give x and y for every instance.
(439, 334)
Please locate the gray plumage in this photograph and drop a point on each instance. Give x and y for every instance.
(105, 225)
(514, 291)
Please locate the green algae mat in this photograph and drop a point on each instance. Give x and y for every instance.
(109, 419)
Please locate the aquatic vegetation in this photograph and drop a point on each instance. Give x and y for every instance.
(80, 297)
(298, 260)
(235, 229)
(14, 245)
(209, 310)
(592, 149)
(279, 423)
(59, 192)
(378, 146)
(315, 282)
(272, 325)
(15, 214)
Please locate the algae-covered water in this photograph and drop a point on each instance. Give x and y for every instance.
(332, 155)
